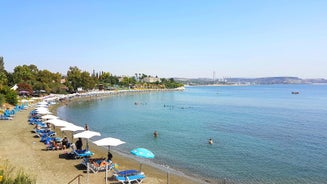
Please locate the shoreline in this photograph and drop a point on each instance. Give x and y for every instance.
(175, 174)
(26, 153)
(164, 173)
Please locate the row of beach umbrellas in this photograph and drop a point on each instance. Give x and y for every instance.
(87, 134)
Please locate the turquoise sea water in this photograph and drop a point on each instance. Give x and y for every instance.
(262, 134)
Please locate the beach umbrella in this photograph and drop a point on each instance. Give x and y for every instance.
(49, 116)
(109, 141)
(59, 122)
(142, 152)
(72, 128)
(42, 103)
(43, 112)
(87, 135)
(41, 109)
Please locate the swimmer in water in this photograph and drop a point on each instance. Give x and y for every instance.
(155, 134)
(210, 141)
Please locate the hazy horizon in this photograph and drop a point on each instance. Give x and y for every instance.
(185, 39)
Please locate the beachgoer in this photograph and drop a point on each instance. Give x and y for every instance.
(54, 145)
(109, 156)
(79, 144)
(210, 141)
(86, 127)
(48, 128)
(155, 134)
(65, 143)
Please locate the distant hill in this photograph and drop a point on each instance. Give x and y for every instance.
(250, 81)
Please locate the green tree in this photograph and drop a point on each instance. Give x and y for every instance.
(50, 82)
(3, 79)
(87, 81)
(25, 74)
(2, 68)
(74, 78)
(2, 99)
(10, 79)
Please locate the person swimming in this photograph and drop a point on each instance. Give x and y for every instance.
(210, 141)
(155, 134)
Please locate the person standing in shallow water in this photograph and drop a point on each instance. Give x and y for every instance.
(86, 127)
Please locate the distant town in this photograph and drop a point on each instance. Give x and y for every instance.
(249, 81)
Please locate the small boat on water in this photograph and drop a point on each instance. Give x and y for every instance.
(295, 92)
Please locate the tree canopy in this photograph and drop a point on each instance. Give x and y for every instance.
(29, 78)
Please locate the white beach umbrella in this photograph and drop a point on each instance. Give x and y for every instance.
(72, 128)
(109, 141)
(41, 108)
(49, 116)
(43, 112)
(59, 122)
(87, 134)
(42, 103)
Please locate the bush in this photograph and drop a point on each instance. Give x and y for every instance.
(6, 175)
(11, 97)
(23, 178)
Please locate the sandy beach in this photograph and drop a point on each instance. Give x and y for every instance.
(23, 151)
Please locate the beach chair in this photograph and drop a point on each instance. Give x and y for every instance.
(2, 117)
(43, 135)
(97, 164)
(129, 176)
(82, 153)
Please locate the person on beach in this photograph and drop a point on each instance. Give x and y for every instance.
(79, 144)
(86, 127)
(48, 128)
(65, 143)
(155, 134)
(210, 141)
(109, 156)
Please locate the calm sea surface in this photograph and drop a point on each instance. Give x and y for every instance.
(262, 134)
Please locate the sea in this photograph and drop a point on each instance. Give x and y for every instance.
(261, 133)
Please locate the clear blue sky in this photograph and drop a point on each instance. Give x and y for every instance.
(168, 38)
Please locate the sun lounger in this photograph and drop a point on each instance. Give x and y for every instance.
(82, 153)
(3, 117)
(129, 176)
(97, 164)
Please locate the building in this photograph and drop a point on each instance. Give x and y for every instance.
(151, 79)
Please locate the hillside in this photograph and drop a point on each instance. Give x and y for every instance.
(249, 81)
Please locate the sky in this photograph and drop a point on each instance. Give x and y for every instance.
(168, 38)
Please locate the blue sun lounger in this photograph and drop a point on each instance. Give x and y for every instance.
(129, 176)
(82, 153)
